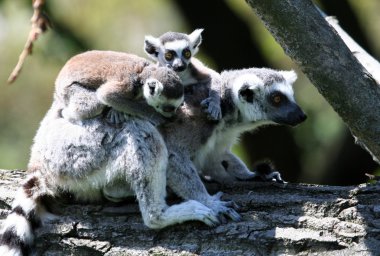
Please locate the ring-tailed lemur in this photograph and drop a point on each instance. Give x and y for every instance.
(93, 159)
(92, 80)
(176, 50)
(250, 98)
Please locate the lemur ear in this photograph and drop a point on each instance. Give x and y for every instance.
(151, 46)
(246, 94)
(196, 38)
(290, 76)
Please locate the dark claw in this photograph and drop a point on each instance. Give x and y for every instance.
(232, 205)
(222, 219)
(233, 215)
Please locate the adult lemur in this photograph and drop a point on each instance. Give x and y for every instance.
(92, 158)
(250, 98)
(176, 50)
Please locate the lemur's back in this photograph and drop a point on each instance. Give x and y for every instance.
(93, 68)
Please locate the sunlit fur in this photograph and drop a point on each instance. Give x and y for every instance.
(94, 80)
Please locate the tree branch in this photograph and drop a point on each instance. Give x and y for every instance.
(369, 62)
(40, 23)
(322, 55)
(295, 219)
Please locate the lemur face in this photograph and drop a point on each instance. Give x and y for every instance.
(269, 98)
(163, 91)
(154, 94)
(173, 50)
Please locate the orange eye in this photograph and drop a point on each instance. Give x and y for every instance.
(187, 54)
(277, 99)
(169, 56)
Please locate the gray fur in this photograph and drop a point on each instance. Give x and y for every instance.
(267, 75)
(172, 36)
(191, 71)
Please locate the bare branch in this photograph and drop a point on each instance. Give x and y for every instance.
(369, 62)
(40, 23)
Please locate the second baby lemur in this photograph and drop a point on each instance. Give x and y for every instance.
(176, 50)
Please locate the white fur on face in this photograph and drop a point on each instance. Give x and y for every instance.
(250, 111)
(177, 46)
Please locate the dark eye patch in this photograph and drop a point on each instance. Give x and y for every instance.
(169, 55)
(277, 99)
(186, 53)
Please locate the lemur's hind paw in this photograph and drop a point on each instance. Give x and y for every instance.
(266, 171)
(213, 110)
(224, 209)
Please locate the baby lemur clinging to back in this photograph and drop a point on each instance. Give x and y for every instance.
(93, 80)
(176, 50)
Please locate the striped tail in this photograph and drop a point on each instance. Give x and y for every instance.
(17, 233)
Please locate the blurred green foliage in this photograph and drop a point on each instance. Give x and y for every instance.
(121, 25)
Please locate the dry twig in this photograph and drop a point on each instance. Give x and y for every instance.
(40, 23)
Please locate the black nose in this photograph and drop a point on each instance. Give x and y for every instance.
(179, 68)
(302, 117)
(168, 108)
(297, 117)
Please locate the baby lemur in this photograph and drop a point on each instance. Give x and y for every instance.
(77, 150)
(250, 98)
(176, 50)
(93, 80)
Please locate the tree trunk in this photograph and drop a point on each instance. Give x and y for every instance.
(277, 219)
(322, 55)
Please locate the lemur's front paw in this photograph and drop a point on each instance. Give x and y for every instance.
(115, 117)
(266, 172)
(213, 110)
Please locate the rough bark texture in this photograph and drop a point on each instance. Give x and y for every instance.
(322, 55)
(295, 219)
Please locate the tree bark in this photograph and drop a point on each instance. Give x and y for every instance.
(291, 219)
(322, 55)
